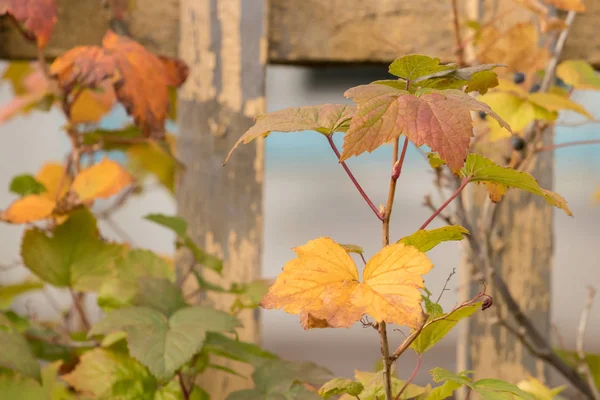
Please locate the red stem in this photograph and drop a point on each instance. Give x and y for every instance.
(412, 376)
(439, 210)
(353, 179)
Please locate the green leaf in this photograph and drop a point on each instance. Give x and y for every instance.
(416, 66)
(176, 224)
(9, 292)
(373, 383)
(26, 184)
(296, 392)
(72, 256)
(435, 330)
(444, 391)
(480, 169)
(16, 73)
(111, 375)
(15, 353)
(482, 81)
(579, 74)
(325, 119)
(426, 240)
(352, 248)
(219, 344)
(593, 361)
(494, 389)
(432, 309)
(440, 374)
(164, 345)
(434, 160)
(159, 294)
(179, 226)
(338, 386)
(199, 394)
(120, 289)
(155, 159)
(112, 139)
(13, 386)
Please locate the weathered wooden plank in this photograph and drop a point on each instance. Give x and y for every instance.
(154, 23)
(223, 43)
(300, 31)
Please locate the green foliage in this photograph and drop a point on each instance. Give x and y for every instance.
(426, 240)
(173, 339)
(338, 386)
(9, 292)
(73, 256)
(179, 227)
(26, 184)
(593, 361)
(15, 353)
(437, 328)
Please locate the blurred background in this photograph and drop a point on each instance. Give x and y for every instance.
(307, 195)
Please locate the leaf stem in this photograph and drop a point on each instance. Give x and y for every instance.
(412, 376)
(184, 390)
(78, 305)
(567, 144)
(353, 179)
(441, 208)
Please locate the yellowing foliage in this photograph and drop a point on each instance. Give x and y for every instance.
(322, 284)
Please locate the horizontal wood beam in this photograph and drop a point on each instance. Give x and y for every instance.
(300, 31)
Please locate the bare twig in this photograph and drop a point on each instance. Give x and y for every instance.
(184, 389)
(584, 367)
(567, 144)
(558, 49)
(446, 284)
(78, 300)
(460, 47)
(353, 179)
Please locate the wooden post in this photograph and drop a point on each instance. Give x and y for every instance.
(223, 42)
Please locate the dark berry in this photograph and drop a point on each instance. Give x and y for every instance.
(517, 143)
(519, 77)
(535, 88)
(482, 115)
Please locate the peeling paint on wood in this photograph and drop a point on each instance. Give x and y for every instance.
(223, 205)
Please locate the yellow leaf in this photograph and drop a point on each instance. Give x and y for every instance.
(539, 390)
(556, 102)
(322, 284)
(50, 175)
(92, 105)
(28, 209)
(579, 74)
(101, 180)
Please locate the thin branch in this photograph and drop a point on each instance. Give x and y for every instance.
(353, 179)
(408, 341)
(558, 49)
(460, 47)
(567, 144)
(429, 204)
(584, 365)
(446, 284)
(464, 183)
(412, 376)
(184, 390)
(580, 123)
(387, 212)
(78, 304)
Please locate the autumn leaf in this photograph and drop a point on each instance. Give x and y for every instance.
(102, 180)
(516, 109)
(323, 282)
(325, 119)
(555, 102)
(140, 78)
(415, 66)
(480, 169)
(518, 48)
(579, 74)
(32, 91)
(36, 16)
(92, 105)
(568, 5)
(439, 119)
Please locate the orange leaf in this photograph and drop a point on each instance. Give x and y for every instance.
(140, 78)
(92, 105)
(322, 285)
(101, 180)
(439, 119)
(37, 16)
(28, 209)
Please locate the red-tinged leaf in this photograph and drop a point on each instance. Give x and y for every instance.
(36, 16)
(32, 89)
(141, 79)
(325, 119)
(439, 119)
